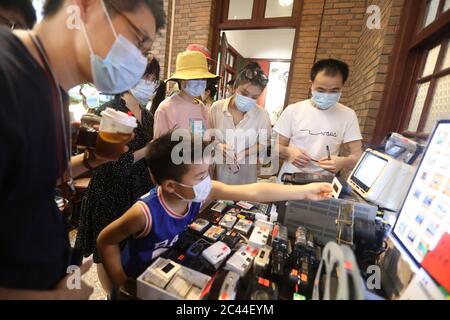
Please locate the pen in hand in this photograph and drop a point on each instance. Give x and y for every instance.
(329, 153)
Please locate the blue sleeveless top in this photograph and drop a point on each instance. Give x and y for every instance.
(165, 227)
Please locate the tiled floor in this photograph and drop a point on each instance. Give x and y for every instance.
(91, 276)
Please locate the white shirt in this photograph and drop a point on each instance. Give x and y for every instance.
(254, 128)
(313, 130)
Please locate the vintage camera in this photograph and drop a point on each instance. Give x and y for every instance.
(230, 286)
(214, 233)
(161, 272)
(278, 264)
(228, 221)
(199, 225)
(259, 237)
(219, 207)
(197, 248)
(223, 286)
(216, 254)
(243, 226)
(231, 238)
(262, 261)
(304, 242)
(242, 260)
(280, 239)
(185, 241)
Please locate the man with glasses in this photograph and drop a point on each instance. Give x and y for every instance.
(37, 68)
(17, 14)
(312, 132)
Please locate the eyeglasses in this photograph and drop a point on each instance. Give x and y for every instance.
(256, 75)
(11, 24)
(145, 43)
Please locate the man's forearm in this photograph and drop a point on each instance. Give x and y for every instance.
(283, 152)
(351, 161)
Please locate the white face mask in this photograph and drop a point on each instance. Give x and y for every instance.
(201, 190)
(123, 66)
(195, 88)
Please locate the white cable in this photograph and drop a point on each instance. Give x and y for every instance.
(339, 259)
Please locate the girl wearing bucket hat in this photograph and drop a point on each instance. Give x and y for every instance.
(185, 110)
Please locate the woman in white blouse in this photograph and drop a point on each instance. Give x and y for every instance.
(242, 128)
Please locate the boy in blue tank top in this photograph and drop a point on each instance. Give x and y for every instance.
(155, 222)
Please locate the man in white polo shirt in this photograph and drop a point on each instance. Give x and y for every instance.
(311, 132)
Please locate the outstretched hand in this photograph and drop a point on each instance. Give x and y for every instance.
(318, 191)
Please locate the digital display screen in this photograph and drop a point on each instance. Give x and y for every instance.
(369, 170)
(425, 215)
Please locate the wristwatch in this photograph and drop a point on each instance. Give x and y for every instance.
(89, 155)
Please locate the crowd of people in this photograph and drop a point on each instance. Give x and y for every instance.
(137, 205)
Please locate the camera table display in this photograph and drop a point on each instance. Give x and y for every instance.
(232, 251)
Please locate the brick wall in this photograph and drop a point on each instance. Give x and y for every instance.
(371, 65)
(160, 47)
(329, 29)
(192, 25)
(337, 37)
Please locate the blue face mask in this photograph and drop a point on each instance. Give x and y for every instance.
(195, 88)
(144, 90)
(325, 101)
(123, 66)
(245, 104)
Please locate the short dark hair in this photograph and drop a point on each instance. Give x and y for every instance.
(155, 6)
(23, 7)
(159, 156)
(258, 77)
(332, 67)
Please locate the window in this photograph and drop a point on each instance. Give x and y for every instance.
(259, 13)
(279, 8)
(240, 10)
(432, 101)
(447, 5)
(417, 92)
(431, 12)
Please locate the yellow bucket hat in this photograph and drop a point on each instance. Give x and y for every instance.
(192, 65)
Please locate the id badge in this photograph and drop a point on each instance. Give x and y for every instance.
(197, 127)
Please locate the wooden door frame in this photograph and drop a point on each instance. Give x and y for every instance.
(407, 61)
(220, 24)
